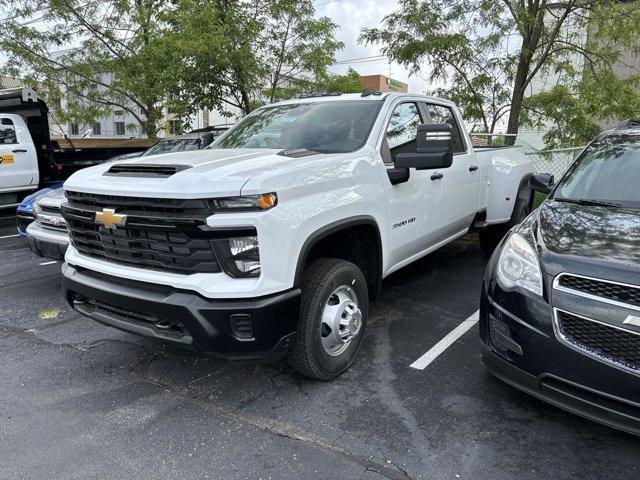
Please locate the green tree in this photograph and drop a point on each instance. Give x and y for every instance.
(335, 83)
(298, 48)
(481, 46)
(95, 56)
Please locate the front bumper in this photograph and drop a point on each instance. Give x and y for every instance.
(46, 242)
(520, 347)
(237, 329)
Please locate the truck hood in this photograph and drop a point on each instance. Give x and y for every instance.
(593, 241)
(52, 199)
(210, 173)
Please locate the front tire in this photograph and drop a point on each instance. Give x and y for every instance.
(333, 317)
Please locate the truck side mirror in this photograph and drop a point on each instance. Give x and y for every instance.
(541, 182)
(434, 148)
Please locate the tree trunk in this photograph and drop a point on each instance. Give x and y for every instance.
(519, 88)
(246, 102)
(151, 124)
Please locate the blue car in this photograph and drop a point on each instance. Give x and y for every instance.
(24, 213)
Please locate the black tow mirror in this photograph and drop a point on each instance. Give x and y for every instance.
(541, 182)
(434, 148)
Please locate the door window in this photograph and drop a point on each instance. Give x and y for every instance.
(402, 132)
(7, 132)
(441, 114)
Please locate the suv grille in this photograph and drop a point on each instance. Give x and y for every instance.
(599, 288)
(161, 234)
(600, 340)
(141, 170)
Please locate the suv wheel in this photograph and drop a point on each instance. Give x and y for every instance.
(333, 317)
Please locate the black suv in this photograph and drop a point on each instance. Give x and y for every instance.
(560, 310)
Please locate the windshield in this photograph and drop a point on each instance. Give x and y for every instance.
(607, 172)
(324, 127)
(173, 145)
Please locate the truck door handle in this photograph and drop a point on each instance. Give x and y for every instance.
(473, 168)
(19, 150)
(437, 176)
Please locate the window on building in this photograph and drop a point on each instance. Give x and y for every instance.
(402, 132)
(118, 113)
(119, 127)
(7, 132)
(97, 128)
(440, 114)
(74, 128)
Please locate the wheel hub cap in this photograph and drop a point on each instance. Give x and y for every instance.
(341, 320)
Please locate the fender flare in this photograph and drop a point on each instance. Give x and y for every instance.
(524, 191)
(335, 227)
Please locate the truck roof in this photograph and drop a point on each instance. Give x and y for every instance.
(380, 97)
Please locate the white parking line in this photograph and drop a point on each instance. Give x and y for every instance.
(424, 361)
(48, 263)
(9, 236)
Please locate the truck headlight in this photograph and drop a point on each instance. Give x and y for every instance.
(264, 201)
(239, 255)
(518, 265)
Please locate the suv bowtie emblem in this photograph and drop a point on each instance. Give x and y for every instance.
(109, 218)
(631, 320)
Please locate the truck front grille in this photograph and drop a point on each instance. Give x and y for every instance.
(597, 339)
(161, 234)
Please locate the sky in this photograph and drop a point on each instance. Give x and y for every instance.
(352, 16)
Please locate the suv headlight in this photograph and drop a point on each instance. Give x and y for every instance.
(239, 255)
(518, 265)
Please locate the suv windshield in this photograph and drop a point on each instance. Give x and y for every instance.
(606, 173)
(324, 127)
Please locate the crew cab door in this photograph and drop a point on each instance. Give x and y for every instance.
(17, 154)
(460, 182)
(413, 206)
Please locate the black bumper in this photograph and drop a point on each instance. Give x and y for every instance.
(47, 249)
(521, 348)
(239, 329)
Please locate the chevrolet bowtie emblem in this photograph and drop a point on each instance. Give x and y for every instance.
(631, 320)
(109, 218)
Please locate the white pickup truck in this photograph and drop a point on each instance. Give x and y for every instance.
(273, 241)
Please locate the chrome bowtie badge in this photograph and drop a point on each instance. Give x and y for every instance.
(109, 218)
(631, 320)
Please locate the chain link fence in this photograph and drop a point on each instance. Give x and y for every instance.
(555, 162)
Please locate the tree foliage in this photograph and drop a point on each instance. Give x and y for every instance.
(147, 57)
(96, 55)
(335, 83)
(489, 53)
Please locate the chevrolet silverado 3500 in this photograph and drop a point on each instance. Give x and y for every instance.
(273, 241)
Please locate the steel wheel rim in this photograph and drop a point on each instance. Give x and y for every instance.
(341, 320)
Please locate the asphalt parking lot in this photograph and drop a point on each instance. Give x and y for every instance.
(80, 400)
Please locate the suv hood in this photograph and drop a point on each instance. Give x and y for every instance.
(210, 173)
(593, 241)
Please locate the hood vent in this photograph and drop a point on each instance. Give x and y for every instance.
(145, 170)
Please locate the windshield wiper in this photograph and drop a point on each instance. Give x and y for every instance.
(586, 201)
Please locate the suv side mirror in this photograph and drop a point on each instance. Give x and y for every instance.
(434, 148)
(541, 182)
